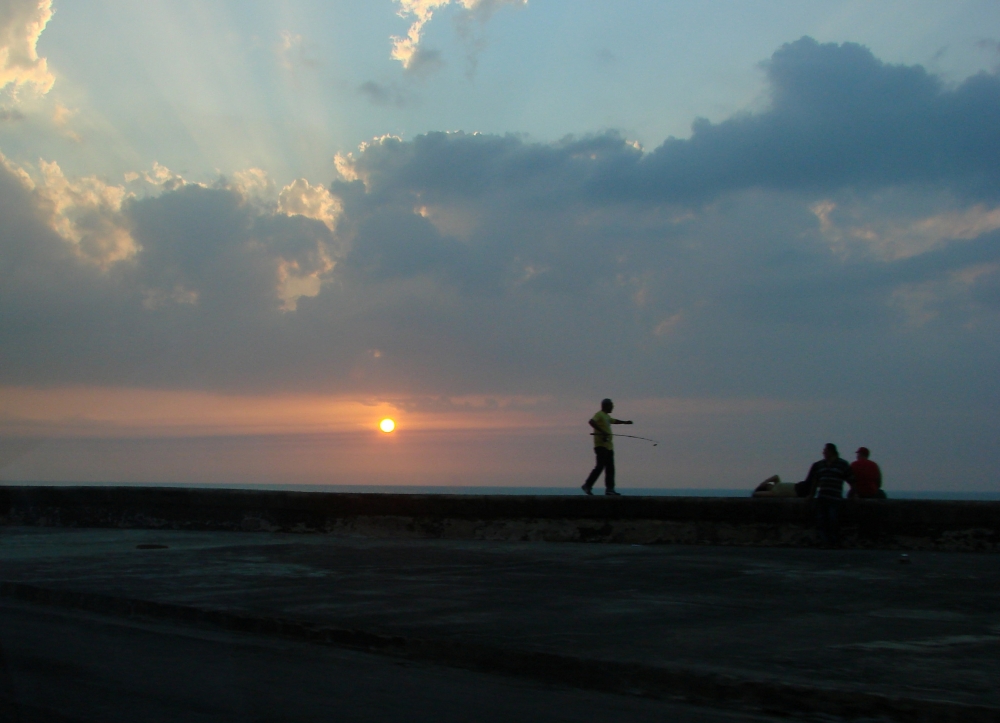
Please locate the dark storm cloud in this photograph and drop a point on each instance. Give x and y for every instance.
(198, 239)
(484, 263)
(52, 307)
(838, 117)
(401, 243)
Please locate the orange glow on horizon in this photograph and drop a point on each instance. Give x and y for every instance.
(121, 412)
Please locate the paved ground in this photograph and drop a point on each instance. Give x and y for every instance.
(850, 620)
(63, 667)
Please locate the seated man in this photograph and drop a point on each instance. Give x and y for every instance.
(774, 487)
(867, 477)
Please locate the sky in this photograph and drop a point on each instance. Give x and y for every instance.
(236, 235)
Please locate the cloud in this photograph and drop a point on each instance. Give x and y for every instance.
(127, 412)
(292, 51)
(61, 118)
(890, 238)
(86, 213)
(956, 294)
(481, 264)
(474, 19)
(261, 250)
(62, 115)
(423, 62)
(386, 94)
(407, 49)
(838, 116)
(832, 260)
(990, 45)
(300, 199)
(667, 325)
(404, 49)
(231, 249)
(304, 276)
(164, 178)
(21, 23)
(253, 184)
(10, 114)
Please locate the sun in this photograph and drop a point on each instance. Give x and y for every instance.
(387, 425)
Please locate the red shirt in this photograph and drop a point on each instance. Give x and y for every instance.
(867, 478)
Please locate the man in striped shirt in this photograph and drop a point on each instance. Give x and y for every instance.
(826, 479)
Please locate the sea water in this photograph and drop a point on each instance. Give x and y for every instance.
(547, 491)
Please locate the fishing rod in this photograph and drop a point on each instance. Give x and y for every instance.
(630, 436)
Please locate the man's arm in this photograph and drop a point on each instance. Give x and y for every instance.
(849, 475)
(621, 421)
(599, 434)
(809, 483)
(813, 471)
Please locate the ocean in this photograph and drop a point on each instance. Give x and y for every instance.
(992, 496)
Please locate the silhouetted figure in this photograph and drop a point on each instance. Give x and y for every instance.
(867, 477)
(603, 448)
(774, 487)
(827, 478)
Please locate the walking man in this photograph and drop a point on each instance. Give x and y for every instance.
(603, 448)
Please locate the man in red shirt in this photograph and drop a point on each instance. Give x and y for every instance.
(867, 476)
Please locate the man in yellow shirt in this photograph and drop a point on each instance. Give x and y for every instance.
(603, 448)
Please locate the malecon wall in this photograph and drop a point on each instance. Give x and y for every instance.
(887, 524)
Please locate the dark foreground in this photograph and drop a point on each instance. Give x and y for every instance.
(277, 627)
(74, 667)
(944, 526)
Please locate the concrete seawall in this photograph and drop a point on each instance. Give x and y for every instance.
(885, 524)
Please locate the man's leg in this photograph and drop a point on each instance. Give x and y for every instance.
(828, 517)
(822, 520)
(609, 469)
(834, 521)
(596, 472)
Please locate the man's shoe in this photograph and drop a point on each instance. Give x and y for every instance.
(586, 490)
(612, 493)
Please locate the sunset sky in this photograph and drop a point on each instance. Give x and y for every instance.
(234, 236)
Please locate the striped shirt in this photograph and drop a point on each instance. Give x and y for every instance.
(828, 478)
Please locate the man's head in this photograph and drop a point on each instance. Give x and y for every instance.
(830, 451)
(607, 405)
(863, 453)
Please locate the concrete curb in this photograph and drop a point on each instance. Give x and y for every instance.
(675, 683)
(868, 524)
